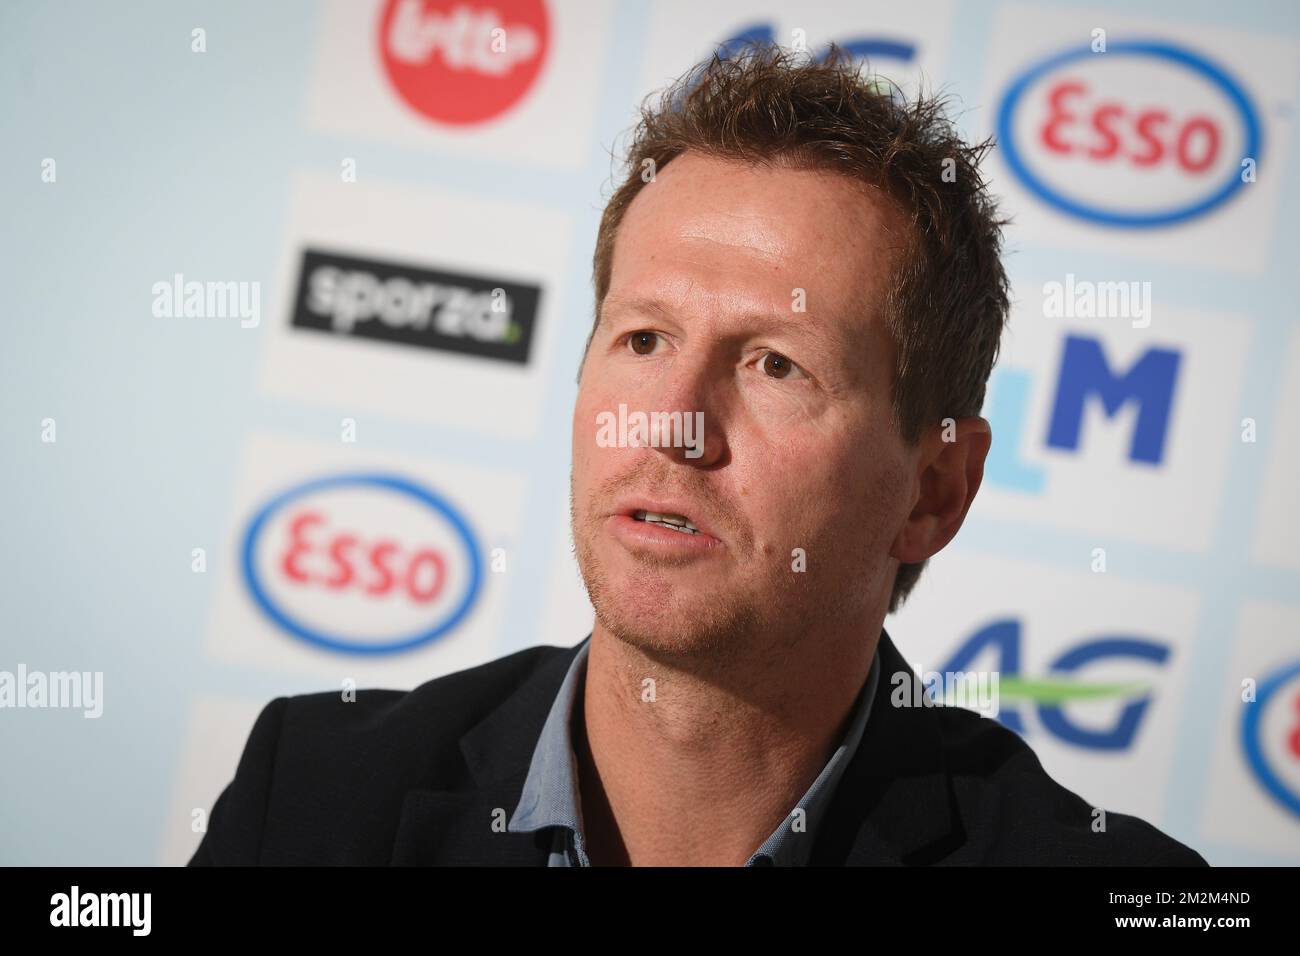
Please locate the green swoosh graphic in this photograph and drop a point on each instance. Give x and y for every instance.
(1049, 691)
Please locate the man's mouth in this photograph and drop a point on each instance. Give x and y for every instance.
(676, 522)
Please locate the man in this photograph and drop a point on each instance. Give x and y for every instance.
(809, 266)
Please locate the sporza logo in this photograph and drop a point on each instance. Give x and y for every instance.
(412, 305)
(362, 563)
(1144, 134)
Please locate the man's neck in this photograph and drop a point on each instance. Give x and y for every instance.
(697, 762)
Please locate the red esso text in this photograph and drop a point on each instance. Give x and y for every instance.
(315, 554)
(1109, 131)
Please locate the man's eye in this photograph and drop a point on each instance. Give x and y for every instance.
(776, 365)
(643, 343)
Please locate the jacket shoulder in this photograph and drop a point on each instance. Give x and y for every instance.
(441, 709)
(295, 796)
(1014, 812)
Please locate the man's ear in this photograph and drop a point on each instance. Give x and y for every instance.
(949, 469)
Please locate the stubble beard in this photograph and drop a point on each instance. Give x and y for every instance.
(646, 613)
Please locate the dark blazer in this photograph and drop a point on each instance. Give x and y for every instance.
(416, 777)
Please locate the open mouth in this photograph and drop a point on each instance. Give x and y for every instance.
(676, 522)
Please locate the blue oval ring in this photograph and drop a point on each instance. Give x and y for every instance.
(1193, 62)
(1250, 739)
(334, 642)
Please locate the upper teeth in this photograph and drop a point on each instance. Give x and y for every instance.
(678, 522)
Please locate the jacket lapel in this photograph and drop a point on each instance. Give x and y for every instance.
(467, 827)
(893, 806)
(460, 828)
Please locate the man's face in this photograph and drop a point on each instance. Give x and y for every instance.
(753, 296)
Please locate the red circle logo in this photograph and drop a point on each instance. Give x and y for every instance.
(463, 61)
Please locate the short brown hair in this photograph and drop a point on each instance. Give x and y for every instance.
(949, 297)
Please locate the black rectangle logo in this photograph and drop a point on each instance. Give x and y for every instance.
(411, 305)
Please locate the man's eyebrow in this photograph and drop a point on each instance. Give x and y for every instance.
(795, 323)
(651, 305)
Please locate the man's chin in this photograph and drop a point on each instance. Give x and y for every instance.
(664, 611)
(684, 627)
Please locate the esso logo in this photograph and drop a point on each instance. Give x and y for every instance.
(1270, 736)
(463, 61)
(1144, 134)
(364, 564)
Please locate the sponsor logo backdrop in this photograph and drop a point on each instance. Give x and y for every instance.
(367, 481)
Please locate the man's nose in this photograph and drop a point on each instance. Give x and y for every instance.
(690, 402)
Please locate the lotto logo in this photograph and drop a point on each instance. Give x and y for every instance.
(459, 61)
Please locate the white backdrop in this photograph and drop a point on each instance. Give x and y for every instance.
(175, 483)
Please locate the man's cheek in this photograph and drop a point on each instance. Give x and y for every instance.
(584, 434)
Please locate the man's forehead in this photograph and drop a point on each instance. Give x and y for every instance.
(768, 229)
(754, 239)
(770, 208)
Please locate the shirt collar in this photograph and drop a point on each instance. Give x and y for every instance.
(550, 795)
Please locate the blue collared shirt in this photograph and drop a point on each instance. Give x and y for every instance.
(550, 795)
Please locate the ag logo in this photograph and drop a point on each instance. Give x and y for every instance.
(1067, 685)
